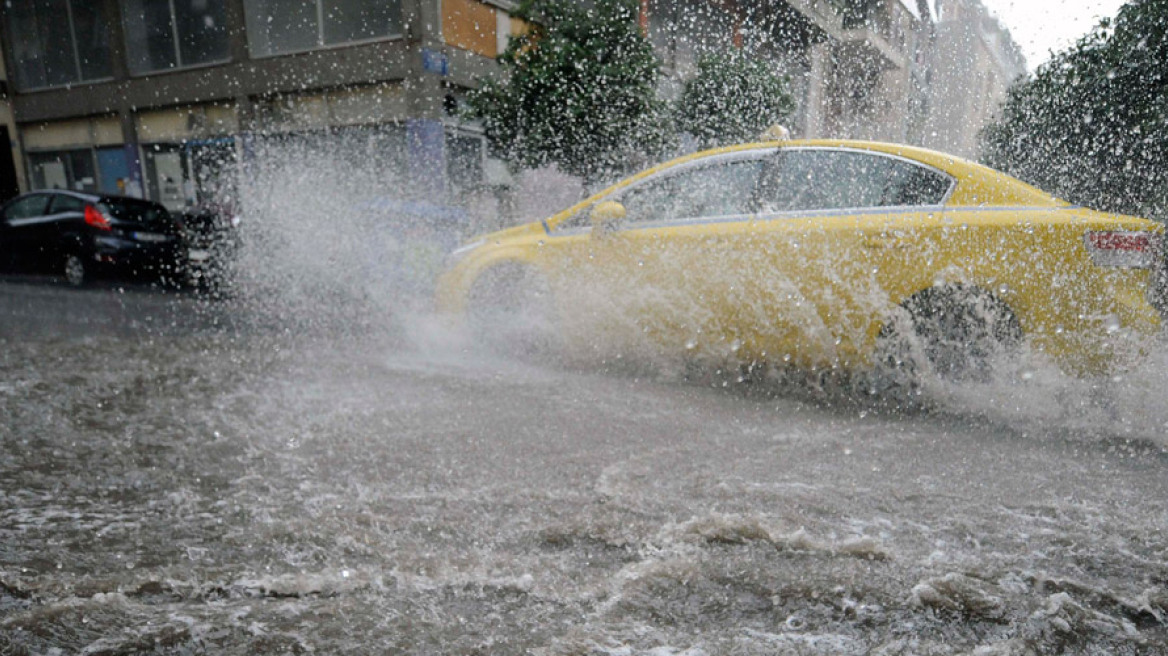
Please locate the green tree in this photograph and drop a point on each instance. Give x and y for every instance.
(1089, 125)
(733, 98)
(578, 90)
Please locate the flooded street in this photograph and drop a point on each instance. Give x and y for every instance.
(182, 484)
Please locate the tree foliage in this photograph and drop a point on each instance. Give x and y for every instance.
(1089, 125)
(733, 98)
(578, 90)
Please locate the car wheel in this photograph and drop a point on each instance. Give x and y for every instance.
(76, 273)
(959, 333)
(510, 309)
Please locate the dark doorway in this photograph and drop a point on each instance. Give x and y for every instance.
(8, 184)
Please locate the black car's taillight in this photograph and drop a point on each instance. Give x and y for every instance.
(95, 218)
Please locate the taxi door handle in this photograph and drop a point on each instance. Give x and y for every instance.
(884, 241)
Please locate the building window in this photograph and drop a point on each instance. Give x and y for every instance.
(57, 42)
(166, 34)
(197, 172)
(280, 26)
(63, 169)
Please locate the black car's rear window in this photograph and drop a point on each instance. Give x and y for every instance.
(130, 209)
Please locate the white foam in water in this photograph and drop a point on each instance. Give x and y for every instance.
(1033, 393)
(337, 233)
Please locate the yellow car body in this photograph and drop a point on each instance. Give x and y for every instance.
(801, 251)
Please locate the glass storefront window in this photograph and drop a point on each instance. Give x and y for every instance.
(184, 175)
(63, 169)
(57, 42)
(166, 34)
(281, 26)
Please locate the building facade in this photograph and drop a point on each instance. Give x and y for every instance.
(973, 61)
(151, 97)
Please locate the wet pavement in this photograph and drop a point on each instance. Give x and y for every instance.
(176, 477)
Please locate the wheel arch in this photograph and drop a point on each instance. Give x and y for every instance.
(922, 298)
(456, 286)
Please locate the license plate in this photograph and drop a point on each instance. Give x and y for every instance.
(199, 255)
(151, 237)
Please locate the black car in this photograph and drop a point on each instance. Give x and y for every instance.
(212, 233)
(82, 236)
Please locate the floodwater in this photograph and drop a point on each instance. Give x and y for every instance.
(314, 465)
(182, 486)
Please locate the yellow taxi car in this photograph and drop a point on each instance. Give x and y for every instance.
(819, 253)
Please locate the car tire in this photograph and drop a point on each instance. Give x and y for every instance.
(956, 333)
(511, 311)
(75, 271)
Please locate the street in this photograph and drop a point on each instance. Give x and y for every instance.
(176, 477)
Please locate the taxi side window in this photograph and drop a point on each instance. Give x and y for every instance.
(719, 189)
(821, 179)
(909, 184)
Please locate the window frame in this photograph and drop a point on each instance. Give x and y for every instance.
(80, 80)
(175, 41)
(763, 153)
(91, 152)
(567, 227)
(48, 199)
(57, 197)
(321, 45)
(704, 163)
(869, 208)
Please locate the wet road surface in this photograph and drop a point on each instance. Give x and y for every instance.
(173, 483)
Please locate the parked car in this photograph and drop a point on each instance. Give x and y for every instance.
(212, 235)
(83, 236)
(820, 254)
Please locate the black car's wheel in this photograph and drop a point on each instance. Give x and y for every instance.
(75, 271)
(510, 309)
(958, 332)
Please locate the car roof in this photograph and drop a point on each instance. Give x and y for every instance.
(65, 192)
(977, 184)
(91, 197)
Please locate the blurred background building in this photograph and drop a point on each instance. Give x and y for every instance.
(973, 60)
(153, 97)
(156, 97)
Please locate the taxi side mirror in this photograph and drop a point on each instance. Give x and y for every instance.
(606, 217)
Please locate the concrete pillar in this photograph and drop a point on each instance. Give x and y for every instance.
(814, 103)
(136, 186)
(237, 31)
(425, 132)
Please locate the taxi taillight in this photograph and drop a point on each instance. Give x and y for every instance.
(95, 218)
(1123, 248)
